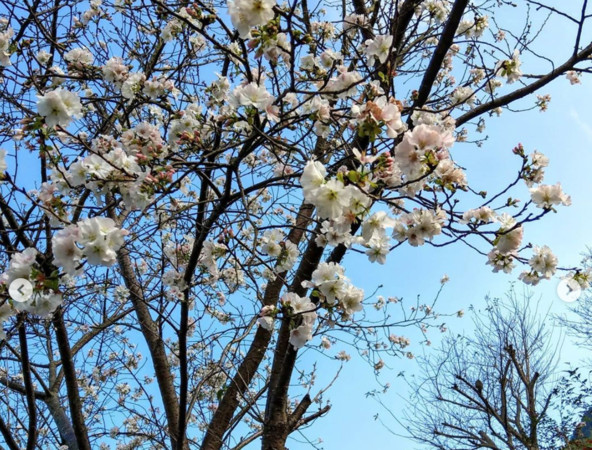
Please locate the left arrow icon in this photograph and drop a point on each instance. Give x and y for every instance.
(20, 290)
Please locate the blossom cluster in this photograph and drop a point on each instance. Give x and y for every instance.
(46, 296)
(246, 14)
(304, 313)
(59, 107)
(334, 290)
(112, 165)
(96, 239)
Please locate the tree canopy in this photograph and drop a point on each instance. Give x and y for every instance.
(182, 183)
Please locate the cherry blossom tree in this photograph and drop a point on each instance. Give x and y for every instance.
(182, 183)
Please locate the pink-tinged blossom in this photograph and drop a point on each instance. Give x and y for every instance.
(302, 334)
(381, 110)
(59, 107)
(3, 165)
(317, 105)
(449, 173)
(392, 119)
(430, 137)
(483, 214)
(509, 241)
(115, 71)
(546, 196)
(334, 233)
(101, 240)
(267, 317)
(246, 14)
(277, 48)
(20, 266)
(345, 84)
(79, 57)
(378, 48)
(157, 87)
(306, 310)
(573, 76)
(313, 176)
(419, 225)
(251, 94)
(352, 22)
(544, 262)
(510, 68)
(5, 41)
(500, 261)
(410, 153)
(67, 254)
(322, 130)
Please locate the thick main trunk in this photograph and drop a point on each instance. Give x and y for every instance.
(162, 368)
(213, 439)
(275, 436)
(74, 401)
(62, 422)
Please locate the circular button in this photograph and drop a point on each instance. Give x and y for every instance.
(569, 290)
(20, 290)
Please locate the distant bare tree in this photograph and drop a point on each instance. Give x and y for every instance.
(498, 388)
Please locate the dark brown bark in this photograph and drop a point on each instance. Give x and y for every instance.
(446, 40)
(236, 388)
(29, 392)
(155, 344)
(401, 23)
(62, 422)
(528, 89)
(7, 434)
(71, 382)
